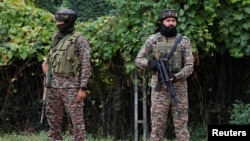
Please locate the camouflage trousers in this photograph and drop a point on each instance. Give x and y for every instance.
(161, 104)
(57, 100)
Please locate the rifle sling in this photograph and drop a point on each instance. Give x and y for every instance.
(178, 38)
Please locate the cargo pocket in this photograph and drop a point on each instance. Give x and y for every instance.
(57, 62)
(176, 61)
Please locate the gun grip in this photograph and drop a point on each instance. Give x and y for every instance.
(158, 86)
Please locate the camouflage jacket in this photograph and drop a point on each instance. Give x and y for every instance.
(146, 51)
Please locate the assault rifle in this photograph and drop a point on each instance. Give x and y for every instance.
(164, 73)
(44, 103)
(164, 77)
(47, 85)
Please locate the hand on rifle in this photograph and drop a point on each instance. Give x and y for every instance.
(45, 70)
(152, 64)
(172, 77)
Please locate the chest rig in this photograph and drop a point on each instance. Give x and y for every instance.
(169, 50)
(63, 58)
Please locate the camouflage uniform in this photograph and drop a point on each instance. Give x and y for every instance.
(161, 101)
(63, 92)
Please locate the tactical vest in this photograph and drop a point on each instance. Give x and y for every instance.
(63, 58)
(163, 48)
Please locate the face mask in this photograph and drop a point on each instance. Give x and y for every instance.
(65, 28)
(170, 31)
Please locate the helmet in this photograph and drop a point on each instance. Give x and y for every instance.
(167, 13)
(66, 15)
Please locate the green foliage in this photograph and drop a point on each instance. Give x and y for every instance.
(213, 27)
(210, 29)
(50, 5)
(121, 34)
(88, 10)
(198, 132)
(24, 136)
(234, 28)
(42, 136)
(24, 34)
(240, 113)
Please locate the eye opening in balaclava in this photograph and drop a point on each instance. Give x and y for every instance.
(67, 27)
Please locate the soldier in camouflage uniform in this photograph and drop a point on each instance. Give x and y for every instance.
(161, 43)
(69, 60)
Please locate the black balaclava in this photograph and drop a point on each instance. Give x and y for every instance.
(69, 17)
(65, 28)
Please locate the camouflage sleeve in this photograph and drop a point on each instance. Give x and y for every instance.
(141, 59)
(188, 59)
(82, 47)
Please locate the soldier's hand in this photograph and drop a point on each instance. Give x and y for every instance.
(152, 64)
(172, 77)
(81, 95)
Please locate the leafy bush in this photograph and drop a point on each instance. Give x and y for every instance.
(87, 10)
(198, 132)
(25, 31)
(240, 113)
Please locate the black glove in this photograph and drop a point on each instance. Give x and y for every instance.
(152, 64)
(173, 77)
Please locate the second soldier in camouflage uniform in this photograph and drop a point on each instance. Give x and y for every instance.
(69, 63)
(180, 66)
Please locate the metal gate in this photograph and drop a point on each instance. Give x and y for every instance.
(140, 85)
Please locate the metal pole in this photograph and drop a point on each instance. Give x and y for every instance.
(136, 105)
(144, 106)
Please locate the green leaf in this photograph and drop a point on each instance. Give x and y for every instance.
(182, 26)
(246, 25)
(238, 16)
(247, 10)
